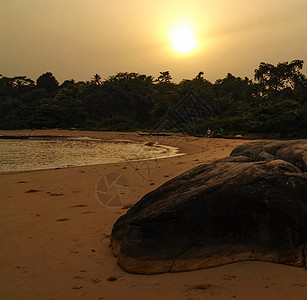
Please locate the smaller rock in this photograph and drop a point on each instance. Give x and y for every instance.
(294, 152)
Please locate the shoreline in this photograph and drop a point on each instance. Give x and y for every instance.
(55, 234)
(160, 151)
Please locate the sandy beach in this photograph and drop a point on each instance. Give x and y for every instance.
(55, 232)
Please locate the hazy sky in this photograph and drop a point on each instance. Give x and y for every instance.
(74, 39)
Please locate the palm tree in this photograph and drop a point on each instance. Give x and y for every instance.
(164, 77)
(200, 75)
(96, 80)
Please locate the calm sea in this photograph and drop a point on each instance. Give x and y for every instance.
(40, 153)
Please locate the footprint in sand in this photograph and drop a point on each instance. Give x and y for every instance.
(95, 280)
(55, 194)
(211, 288)
(112, 278)
(32, 191)
(62, 220)
(228, 277)
(299, 284)
(203, 286)
(77, 287)
(78, 205)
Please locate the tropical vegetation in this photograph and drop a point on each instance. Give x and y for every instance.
(274, 101)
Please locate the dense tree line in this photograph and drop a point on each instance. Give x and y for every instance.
(275, 101)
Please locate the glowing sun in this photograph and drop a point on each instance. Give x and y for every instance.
(183, 38)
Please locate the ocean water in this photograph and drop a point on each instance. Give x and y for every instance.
(48, 153)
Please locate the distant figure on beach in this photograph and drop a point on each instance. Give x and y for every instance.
(221, 131)
(208, 132)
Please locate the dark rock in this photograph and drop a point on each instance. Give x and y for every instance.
(294, 152)
(258, 150)
(228, 211)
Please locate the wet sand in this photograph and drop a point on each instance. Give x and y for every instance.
(55, 233)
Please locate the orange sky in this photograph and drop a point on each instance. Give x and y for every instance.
(78, 38)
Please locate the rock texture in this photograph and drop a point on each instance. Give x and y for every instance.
(294, 152)
(231, 210)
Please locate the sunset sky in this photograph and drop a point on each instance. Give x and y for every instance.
(75, 39)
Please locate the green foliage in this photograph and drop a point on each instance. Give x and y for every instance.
(199, 86)
(48, 82)
(276, 102)
(283, 75)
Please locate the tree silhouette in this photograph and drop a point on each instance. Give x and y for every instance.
(281, 76)
(48, 82)
(96, 80)
(164, 77)
(200, 75)
(276, 101)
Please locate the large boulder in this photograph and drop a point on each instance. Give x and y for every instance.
(294, 152)
(227, 211)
